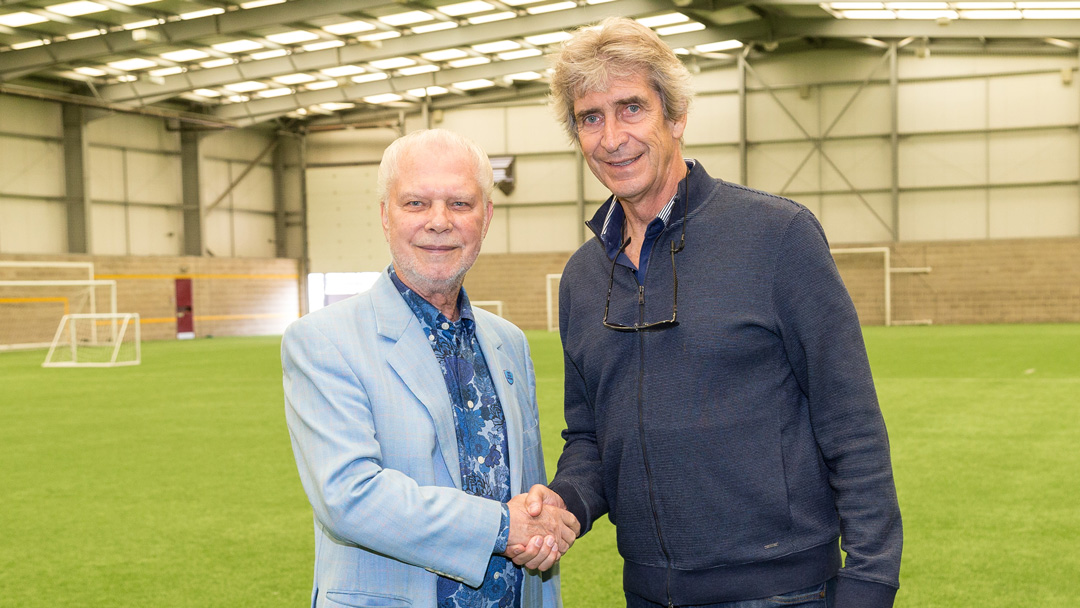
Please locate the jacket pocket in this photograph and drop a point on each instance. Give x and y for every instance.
(361, 599)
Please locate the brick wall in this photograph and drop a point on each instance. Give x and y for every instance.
(518, 280)
(986, 281)
(231, 296)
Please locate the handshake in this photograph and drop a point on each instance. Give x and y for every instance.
(541, 529)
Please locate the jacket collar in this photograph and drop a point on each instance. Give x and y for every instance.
(697, 181)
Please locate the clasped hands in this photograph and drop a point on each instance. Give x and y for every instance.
(541, 529)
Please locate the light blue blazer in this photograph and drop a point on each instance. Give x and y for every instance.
(373, 433)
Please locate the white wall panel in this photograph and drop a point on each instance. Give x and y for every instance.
(535, 229)
(217, 231)
(865, 163)
(1034, 212)
(254, 235)
(821, 67)
(256, 190)
(767, 119)
(847, 219)
(32, 226)
(868, 114)
(1032, 100)
(943, 160)
(30, 116)
(594, 190)
(713, 119)
(485, 126)
(110, 230)
(942, 106)
(214, 180)
(943, 215)
(719, 161)
(534, 129)
(106, 175)
(157, 231)
(772, 165)
(349, 145)
(937, 66)
(343, 216)
(498, 236)
(542, 179)
(1032, 156)
(31, 166)
(241, 144)
(131, 131)
(154, 178)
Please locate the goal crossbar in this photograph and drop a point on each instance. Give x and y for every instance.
(110, 339)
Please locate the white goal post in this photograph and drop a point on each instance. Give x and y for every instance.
(96, 340)
(887, 270)
(30, 310)
(551, 286)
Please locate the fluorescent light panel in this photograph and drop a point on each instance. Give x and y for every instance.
(269, 54)
(298, 78)
(293, 37)
(350, 27)
(683, 28)
(237, 46)
(496, 47)
(407, 18)
(246, 86)
(479, 83)
(21, 18)
(134, 63)
(491, 17)
(342, 70)
(384, 98)
(438, 26)
(465, 8)
(185, 55)
(662, 20)
(550, 8)
(77, 8)
(392, 63)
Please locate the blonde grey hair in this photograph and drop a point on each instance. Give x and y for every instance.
(615, 49)
(435, 140)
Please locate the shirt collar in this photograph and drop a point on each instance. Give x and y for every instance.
(426, 312)
(611, 235)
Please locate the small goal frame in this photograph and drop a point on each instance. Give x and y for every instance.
(120, 324)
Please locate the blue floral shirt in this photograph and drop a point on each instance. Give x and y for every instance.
(482, 443)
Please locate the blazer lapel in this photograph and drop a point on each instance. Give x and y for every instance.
(501, 367)
(414, 362)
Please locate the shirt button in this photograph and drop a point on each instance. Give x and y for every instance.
(445, 326)
(431, 337)
(480, 459)
(471, 404)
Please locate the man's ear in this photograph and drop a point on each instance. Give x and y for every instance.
(385, 221)
(488, 213)
(678, 126)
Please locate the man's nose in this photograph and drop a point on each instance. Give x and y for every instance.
(614, 135)
(439, 217)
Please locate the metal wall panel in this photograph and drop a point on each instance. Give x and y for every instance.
(1032, 100)
(846, 218)
(543, 229)
(773, 165)
(1034, 211)
(942, 106)
(343, 218)
(868, 113)
(542, 179)
(110, 235)
(106, 176)
(256, 190)
(943, 215)
(32, 167)
(32, 226)
(1034, 156)
(250, 232)
(943, 160)
(154, 178)
(486, 126)
(30, 116)
(713, 119)
(156, 231)
(498, 236)
(768, 118)
(131, 131)
(534, 128)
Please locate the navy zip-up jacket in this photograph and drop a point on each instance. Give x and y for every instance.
(733, 450)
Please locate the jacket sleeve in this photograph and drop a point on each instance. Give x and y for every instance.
(824, 344)
(355, 499)
(578, 479)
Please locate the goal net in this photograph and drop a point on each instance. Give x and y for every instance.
(31, 309)
(96, 340)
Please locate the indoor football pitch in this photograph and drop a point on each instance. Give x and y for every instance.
(172, 483)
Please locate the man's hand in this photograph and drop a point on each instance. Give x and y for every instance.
(542, 552)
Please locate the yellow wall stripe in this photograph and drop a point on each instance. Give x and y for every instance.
(275, 277)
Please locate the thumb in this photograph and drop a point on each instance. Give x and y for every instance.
(534, 503)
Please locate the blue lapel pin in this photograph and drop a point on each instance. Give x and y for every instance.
(509, 376)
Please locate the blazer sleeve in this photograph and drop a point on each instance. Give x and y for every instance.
(355, 499)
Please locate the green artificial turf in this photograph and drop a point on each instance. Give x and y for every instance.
(172, 483)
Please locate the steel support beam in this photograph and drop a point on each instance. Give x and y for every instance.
(280, 212)
(176, 32)
(194, 243)
(76, 180)
(828, 27)
(894, 138)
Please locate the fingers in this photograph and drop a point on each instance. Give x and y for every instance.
(523, 554)
(540, 495)
(546, 554)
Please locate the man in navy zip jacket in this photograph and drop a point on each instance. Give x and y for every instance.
(719, 402)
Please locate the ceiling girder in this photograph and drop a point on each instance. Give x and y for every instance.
(178, 32)
(149, 92)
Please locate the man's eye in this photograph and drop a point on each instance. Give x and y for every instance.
(592, 119)
(413, 204)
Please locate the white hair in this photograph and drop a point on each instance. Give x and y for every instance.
(433, 139)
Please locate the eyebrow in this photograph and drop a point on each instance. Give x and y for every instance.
(625, 101)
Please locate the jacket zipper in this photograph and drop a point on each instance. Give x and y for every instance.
(644, 450)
